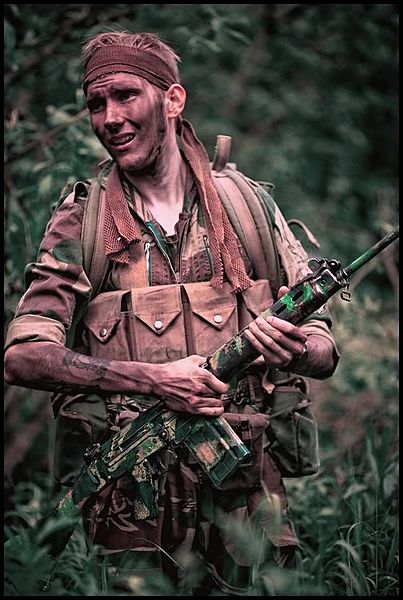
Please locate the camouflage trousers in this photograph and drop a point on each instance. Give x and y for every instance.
(230, 531)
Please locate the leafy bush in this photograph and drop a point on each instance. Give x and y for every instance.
(345, 519)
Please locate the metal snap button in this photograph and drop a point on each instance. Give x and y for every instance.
(158, 325)
(217, 318)
(103, 332)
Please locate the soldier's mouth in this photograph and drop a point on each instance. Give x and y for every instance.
(121, 142)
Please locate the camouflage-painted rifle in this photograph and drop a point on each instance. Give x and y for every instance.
(211, 441)
(303, 299)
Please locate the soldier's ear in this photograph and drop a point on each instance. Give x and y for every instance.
(175, 100)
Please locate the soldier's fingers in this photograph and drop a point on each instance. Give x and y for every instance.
(214, 383)
(207, 400)
(268, 347)
(284, 327)
(209, 411)
(282, 290)
(261, 330)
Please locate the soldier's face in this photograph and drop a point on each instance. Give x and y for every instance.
(128, 117)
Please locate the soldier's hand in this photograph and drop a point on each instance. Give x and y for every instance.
(277, 340)
(185, 387)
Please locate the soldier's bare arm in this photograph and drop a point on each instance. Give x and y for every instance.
(183, 385)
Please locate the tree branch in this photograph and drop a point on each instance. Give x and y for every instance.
(49, 135)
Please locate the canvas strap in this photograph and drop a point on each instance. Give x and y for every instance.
(248, 213)
(95, 260)
(241, 220)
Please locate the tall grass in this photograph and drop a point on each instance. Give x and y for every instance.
(346, 520)
(348, 525)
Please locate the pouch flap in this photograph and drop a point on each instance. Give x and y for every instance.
(103, 314)
(286, 400)
(213, 305)
(251, 429)
(217, 317)
(258, 297)
(104, 329)
(157, 307)
(254, 424)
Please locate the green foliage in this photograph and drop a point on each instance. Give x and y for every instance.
(309, 94)
(346, 522)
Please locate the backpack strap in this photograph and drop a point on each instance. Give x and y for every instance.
(95, 261)
(263, 218)
(222, 152)
(311, 238)
(248, 213)
(241, 218)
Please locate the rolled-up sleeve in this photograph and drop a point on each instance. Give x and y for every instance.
(35, 328)
(58, 289)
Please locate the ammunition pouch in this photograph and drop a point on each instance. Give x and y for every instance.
(293, 430)
(81, 421)
(251, 428)
(160, 324)
(278, 427)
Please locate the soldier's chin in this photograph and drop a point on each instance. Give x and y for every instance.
(140, 169)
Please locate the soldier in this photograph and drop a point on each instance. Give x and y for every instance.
(178, 284)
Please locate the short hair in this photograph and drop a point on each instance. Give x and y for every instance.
(148, 42)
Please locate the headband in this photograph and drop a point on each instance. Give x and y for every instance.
(115, 58)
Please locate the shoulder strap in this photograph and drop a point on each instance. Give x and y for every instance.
(94, 260)
(222, 152)
(248, 214)
(241, 218)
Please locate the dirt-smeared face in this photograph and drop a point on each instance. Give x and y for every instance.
(128, 117)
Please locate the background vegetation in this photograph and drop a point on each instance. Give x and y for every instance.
(309, 94)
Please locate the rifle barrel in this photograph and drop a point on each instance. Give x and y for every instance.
(369, 254)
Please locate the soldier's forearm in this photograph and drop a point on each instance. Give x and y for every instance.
(52, 367)
(319, 362)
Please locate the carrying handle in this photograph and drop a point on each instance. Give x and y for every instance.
(222, 152)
